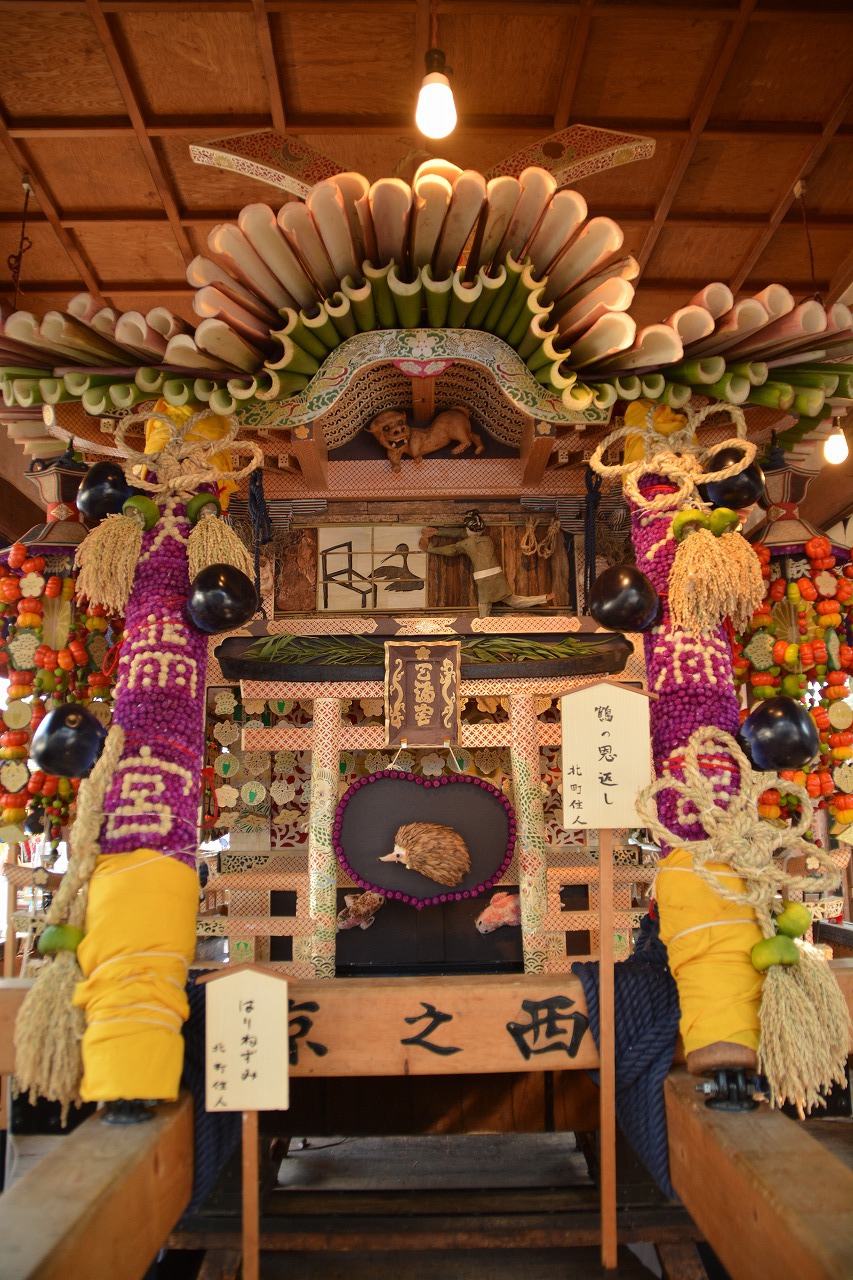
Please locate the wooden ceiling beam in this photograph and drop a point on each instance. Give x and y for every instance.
(263, 35)
(843, 278)
(807, 164)
(128, 93)
(51, 213)
(206, 127)
(716, 74)
(828, 12)
(84, 218)
(574, 62)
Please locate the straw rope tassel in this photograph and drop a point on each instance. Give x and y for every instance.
(107, 560)
(213, 541)
(49, 1029)
(713, 579)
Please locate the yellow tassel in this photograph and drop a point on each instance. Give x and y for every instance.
(106, 561)
(212, 541)
(48, 1034)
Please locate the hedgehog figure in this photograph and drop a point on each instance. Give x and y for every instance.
(433, 850)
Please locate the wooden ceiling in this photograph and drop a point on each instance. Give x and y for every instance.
(99, 100)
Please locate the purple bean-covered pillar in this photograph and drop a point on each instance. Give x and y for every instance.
(692, 677)
(143, 896)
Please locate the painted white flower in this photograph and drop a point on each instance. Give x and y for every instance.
(226, 797)
(432, 765)
(286, 818)
(487, 761)
(226, 733)
(405, 762)
(254, 706)
(282, 792)
(375, 761)
(225, 703)
(423, 349)
(32, 585)
(255, 762)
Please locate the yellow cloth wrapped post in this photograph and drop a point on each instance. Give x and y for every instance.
(140, 940)
(209, 428)
(709, 941)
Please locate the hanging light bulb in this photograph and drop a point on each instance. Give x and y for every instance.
(435, 114)
(835, 448)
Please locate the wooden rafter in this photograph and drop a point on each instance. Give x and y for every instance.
(716, 75)
(263, 35)
(209, 126)
(51, 213)
(842, 280)
(131, 102)
(807, 164)
(574, 62)
(200, 217)
(422, 31)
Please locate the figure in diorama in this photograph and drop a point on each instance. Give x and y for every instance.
(453, 426)
(489, 578)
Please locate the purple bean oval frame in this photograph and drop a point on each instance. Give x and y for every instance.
(372, 810)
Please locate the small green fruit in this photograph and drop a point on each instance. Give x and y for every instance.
(723, 520)
(777, 950)
(143, 509)
(794, 920)
(59, 937)
(202, 502)
(688, 521)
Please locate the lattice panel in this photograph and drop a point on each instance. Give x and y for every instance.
(559, 921)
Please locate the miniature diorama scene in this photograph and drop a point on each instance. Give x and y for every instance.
(426, 767)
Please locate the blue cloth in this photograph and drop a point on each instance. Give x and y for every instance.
(646, 1015)
(215, 1136)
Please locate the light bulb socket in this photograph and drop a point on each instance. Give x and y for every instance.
(434, 60)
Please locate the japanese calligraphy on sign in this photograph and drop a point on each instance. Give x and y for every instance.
(422, 692)
(606, 755)
(383, 1027)
(246, 1057)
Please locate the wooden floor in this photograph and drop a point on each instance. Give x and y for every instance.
(520, 1206)
(463, 1264)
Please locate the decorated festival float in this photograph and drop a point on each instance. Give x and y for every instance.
(322, 713)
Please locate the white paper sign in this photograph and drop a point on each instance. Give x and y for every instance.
(247, 1043)
(606, 755)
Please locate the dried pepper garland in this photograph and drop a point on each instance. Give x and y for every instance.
(796, 644)
(50, 653)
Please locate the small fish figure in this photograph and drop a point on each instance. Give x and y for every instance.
(360, 910)
(504, 908)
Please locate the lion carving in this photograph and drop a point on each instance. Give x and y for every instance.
(397, 438)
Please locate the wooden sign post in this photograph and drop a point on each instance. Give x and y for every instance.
(606, 755)
(246, 1068)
